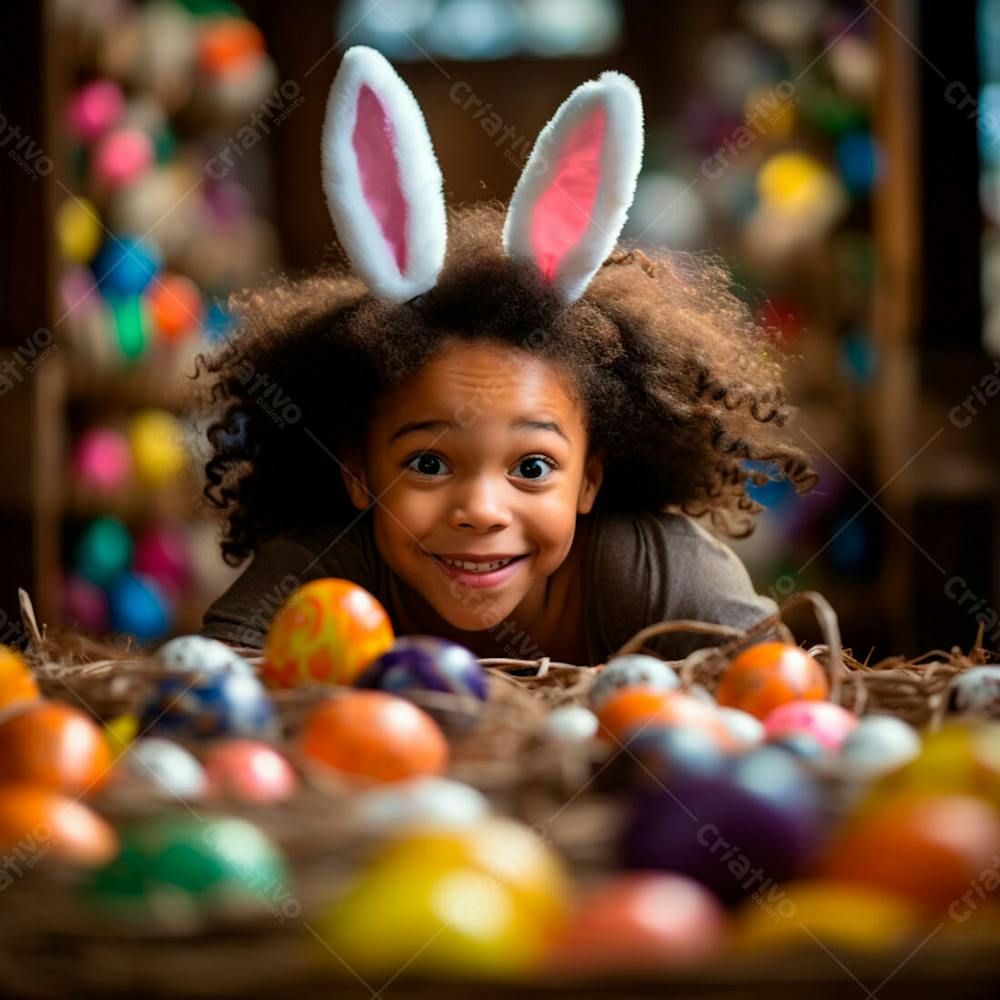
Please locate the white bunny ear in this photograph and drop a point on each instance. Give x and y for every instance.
(381, 178)
(573, 197)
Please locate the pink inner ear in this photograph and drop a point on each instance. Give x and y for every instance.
(562, 213)
(379, 170)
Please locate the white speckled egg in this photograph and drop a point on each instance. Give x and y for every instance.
(878, 744)
(747, 730)
(166, 766)
(423, 801)
(188, 653)
(632, 670)
(976, 692)
(571, 724)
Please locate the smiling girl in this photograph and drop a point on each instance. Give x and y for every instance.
(503, 426)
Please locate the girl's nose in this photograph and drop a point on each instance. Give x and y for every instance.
(480, 506)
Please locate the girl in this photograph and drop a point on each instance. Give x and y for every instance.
(497, 422)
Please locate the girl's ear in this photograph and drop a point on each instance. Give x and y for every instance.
(593, 476)
(573, 197)
(352, 471)
(381, 178)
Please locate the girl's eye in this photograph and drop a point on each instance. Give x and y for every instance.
(535, 466)
(426, 464)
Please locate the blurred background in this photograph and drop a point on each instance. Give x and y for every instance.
(843, 157)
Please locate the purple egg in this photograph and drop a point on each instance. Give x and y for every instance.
(424, 663)
(740, 833)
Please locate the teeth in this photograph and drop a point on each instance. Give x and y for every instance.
(476, 567)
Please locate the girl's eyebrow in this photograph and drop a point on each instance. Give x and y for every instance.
(516, 425)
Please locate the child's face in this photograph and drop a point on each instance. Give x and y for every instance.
(475, 484)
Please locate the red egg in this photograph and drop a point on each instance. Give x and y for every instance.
(373, 736)
(54, 745)
(641, 920)
(767, 675)
(827, 723)
(37, 822)
(249, 770)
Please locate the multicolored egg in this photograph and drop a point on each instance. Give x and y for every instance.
(198, 653)
(422, 663)
(630, 671)
(54, 745)
(372, 736)
(39, 822)
(250, 771)
(828, 723)
(165, 767)
(17, 682)
(329, 630)
(769, 674)
(208, 706)
(976, 692)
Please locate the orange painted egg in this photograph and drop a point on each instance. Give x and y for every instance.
(37, 822)
(175, 305)
(638, 709)
(329, 630)
(17, 683)
(372, 736)
(769, 674)
(927, 847)
(54, 745)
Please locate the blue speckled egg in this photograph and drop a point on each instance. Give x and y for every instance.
(976, 692)
(424, 663)
(632, 670)
(205, 706)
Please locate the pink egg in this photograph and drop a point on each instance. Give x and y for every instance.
(95, 108)
(161, 552)
(84, 604)
(102, 459)
(823, 720)
(121, 156)
(249, 770)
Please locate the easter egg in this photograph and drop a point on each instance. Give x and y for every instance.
(94, 108)
(157, 442)
(187, 654)
(636, 709)
(125, 265)
(767, 675)
(163, 766)
(434, 919)
(119, 733)
(840, 915)
(206, 706)
(101, 459)
(103, 550)
(329, 630)
(121, 156)
(372, 736)
(571, 724)
(828, 723)
(180, 867)
(17, 682)
(137, 606)
(738, 833)
(83, 604)
(78, 229)
(925, 846)
(175, 305)
(803, 745)
(418, 663)
(55, 745)
(228, 44)
(632, 670)
(161, 552)
(878, 744)
(419, 802)
(250, 771)
(639, 920)
(131, 325)
(745, 729)
(976, 692)
(38, 822)
(665, 755)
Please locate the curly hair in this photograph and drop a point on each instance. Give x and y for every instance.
(680, 386)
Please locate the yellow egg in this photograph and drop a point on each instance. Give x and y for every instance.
(157, 443)
(78, 230)
(838, 914)
(119, 732)
(793, 182)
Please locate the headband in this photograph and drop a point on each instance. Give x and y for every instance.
(384, 190)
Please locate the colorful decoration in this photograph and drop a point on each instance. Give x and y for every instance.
(633, 670)
(767, 675)
(250, 771)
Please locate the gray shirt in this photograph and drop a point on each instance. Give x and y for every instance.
(639, 569)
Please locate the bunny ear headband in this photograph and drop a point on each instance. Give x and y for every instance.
(383, 183)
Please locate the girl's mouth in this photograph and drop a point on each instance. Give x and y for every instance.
(484, 574)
